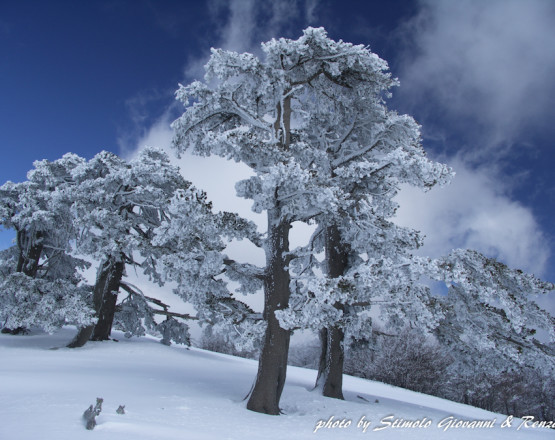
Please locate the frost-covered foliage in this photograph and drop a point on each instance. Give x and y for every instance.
(490, 318)
(190, 242)
(37, 302)
(8, 261)
(135, 316)
(359, 153)
(173, 330)
(313, 109)
(117, 206)
(120, 203)
(41, 285)
(384, 288)
(39, 210)
(254, 115)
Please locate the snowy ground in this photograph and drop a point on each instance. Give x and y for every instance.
(175, 393)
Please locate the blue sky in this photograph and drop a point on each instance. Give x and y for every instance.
(83, 76)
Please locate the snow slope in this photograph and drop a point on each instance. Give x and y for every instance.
(176, 393)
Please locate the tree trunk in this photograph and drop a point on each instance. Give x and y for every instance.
(107, 309)
(330, 369)
(84, 334)
(272, 365)
(30, 250)
(108, 279)
(321, 377)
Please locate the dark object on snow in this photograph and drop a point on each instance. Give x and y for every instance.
(15, 331)
(88, 417)
(121, 409)
(90, 414)
(366, 400)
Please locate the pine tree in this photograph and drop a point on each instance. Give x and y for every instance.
(117, 205)
(41, 285)
(491, 321)
(361, 152)
(303, 119)
(144, 214)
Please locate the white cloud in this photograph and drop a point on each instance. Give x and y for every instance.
(238, 32)
(158, 135)
(250, 22)
(488, 61)
(474, 212)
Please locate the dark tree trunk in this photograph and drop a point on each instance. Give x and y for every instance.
(107, 282)
(330, 369)
(107, 309)
(83, 336)
(321, 377)
(272, 365)
(30, 251)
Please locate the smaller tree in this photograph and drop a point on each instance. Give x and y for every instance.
(383, 287)
(42, 285)
(489, 327)
(116, 206)
(490, 308)
(144, 214)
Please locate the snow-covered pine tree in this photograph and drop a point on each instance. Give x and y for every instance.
(491, 320)
(352, 145)
(382, 283)
(268, 115)
(41, 285)
(116, 206)
(144, 213)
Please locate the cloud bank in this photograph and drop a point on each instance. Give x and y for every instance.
(491, 62)
(478, 75)
(474, 212)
